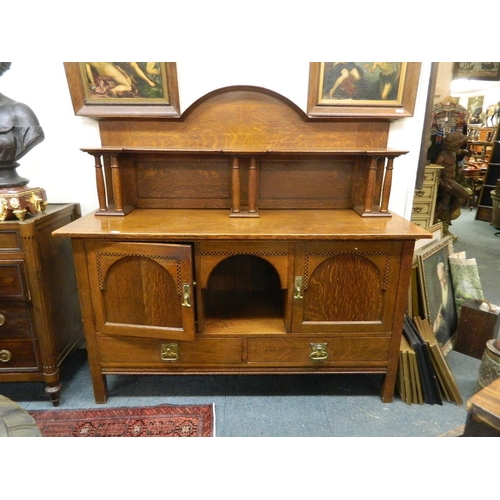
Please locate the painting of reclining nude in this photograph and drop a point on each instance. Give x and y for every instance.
(122, 89)
(125, 81)
(369, 82)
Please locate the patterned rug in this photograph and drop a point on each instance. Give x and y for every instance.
(154, 421)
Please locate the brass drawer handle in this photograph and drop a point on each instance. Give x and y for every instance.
(2, 319)
(318, 351)
(419, 192)
(169, 352)
(5, 356)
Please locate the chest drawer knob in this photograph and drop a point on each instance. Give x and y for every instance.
(5, 356)
(170, 352)
(318, 351)
(2, 320)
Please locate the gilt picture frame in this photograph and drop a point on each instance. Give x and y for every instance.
(434, 274)
(385, 90)
(128, 89)
(488, 71)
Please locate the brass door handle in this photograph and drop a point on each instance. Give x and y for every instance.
(298, 288)
(2, 320)
(186, 295)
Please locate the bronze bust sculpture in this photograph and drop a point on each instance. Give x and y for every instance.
(19, 133)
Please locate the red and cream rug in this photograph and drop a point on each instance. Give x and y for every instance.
(153, 421)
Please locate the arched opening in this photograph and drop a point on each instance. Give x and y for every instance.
(244, 295)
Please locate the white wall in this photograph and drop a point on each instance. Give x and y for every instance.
(68, 175)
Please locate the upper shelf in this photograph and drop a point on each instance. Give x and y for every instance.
(244, 148)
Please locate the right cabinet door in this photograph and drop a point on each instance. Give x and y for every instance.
(345, 286)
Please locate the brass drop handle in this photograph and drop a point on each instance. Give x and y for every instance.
(419, 192)
(169, 352)
(318, 351)
(186, 295)
(5, 356)
(2, 320)
(298, 288)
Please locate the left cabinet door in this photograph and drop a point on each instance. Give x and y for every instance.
(142, 289)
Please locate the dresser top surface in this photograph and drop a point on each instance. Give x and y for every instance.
(201, 224)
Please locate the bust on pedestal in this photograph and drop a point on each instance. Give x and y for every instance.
(19, 133)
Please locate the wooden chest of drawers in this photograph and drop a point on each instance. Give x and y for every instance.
(424, 201)
(40, 320)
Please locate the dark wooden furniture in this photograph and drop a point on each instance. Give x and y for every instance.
(483, 412)
(40, 319)
(243, 238)
(485, 203)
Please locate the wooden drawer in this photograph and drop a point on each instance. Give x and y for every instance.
(430, 176)
(339, 351)
(421, 222)
(13, 282)
(10, 241)
(15, 354)
(15, 320)
(421, 208)
(147, 353)
(424, 194)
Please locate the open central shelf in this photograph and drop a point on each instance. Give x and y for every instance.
(251, 312)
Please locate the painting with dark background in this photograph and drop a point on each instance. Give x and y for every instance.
(371, 82)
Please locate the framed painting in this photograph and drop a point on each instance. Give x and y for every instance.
(476, 70)
(123, 89)
(437, 235)
(437, 291)
(362, 89)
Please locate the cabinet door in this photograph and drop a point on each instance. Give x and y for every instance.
(345, 286)
(142, 289)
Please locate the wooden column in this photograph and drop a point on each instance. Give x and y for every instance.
(236, 186)
(370, 185)
(252, 186)
(117, 186)
(101, 188)
(386, 189)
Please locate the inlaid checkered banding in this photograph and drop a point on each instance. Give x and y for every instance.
(335, 254)
(257, 254)
(100, 255)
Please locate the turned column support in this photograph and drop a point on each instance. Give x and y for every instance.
(109, 184)
(370, 185)
(236, 187)
(249, 208)
(386, 189)
(252, 186)
(101, 187)
(117, 183)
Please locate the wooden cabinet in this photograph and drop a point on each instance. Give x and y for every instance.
(485, 203)
(480, 143)
(40, 320)
(424, 201)
(266, 302)
(248, 240)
